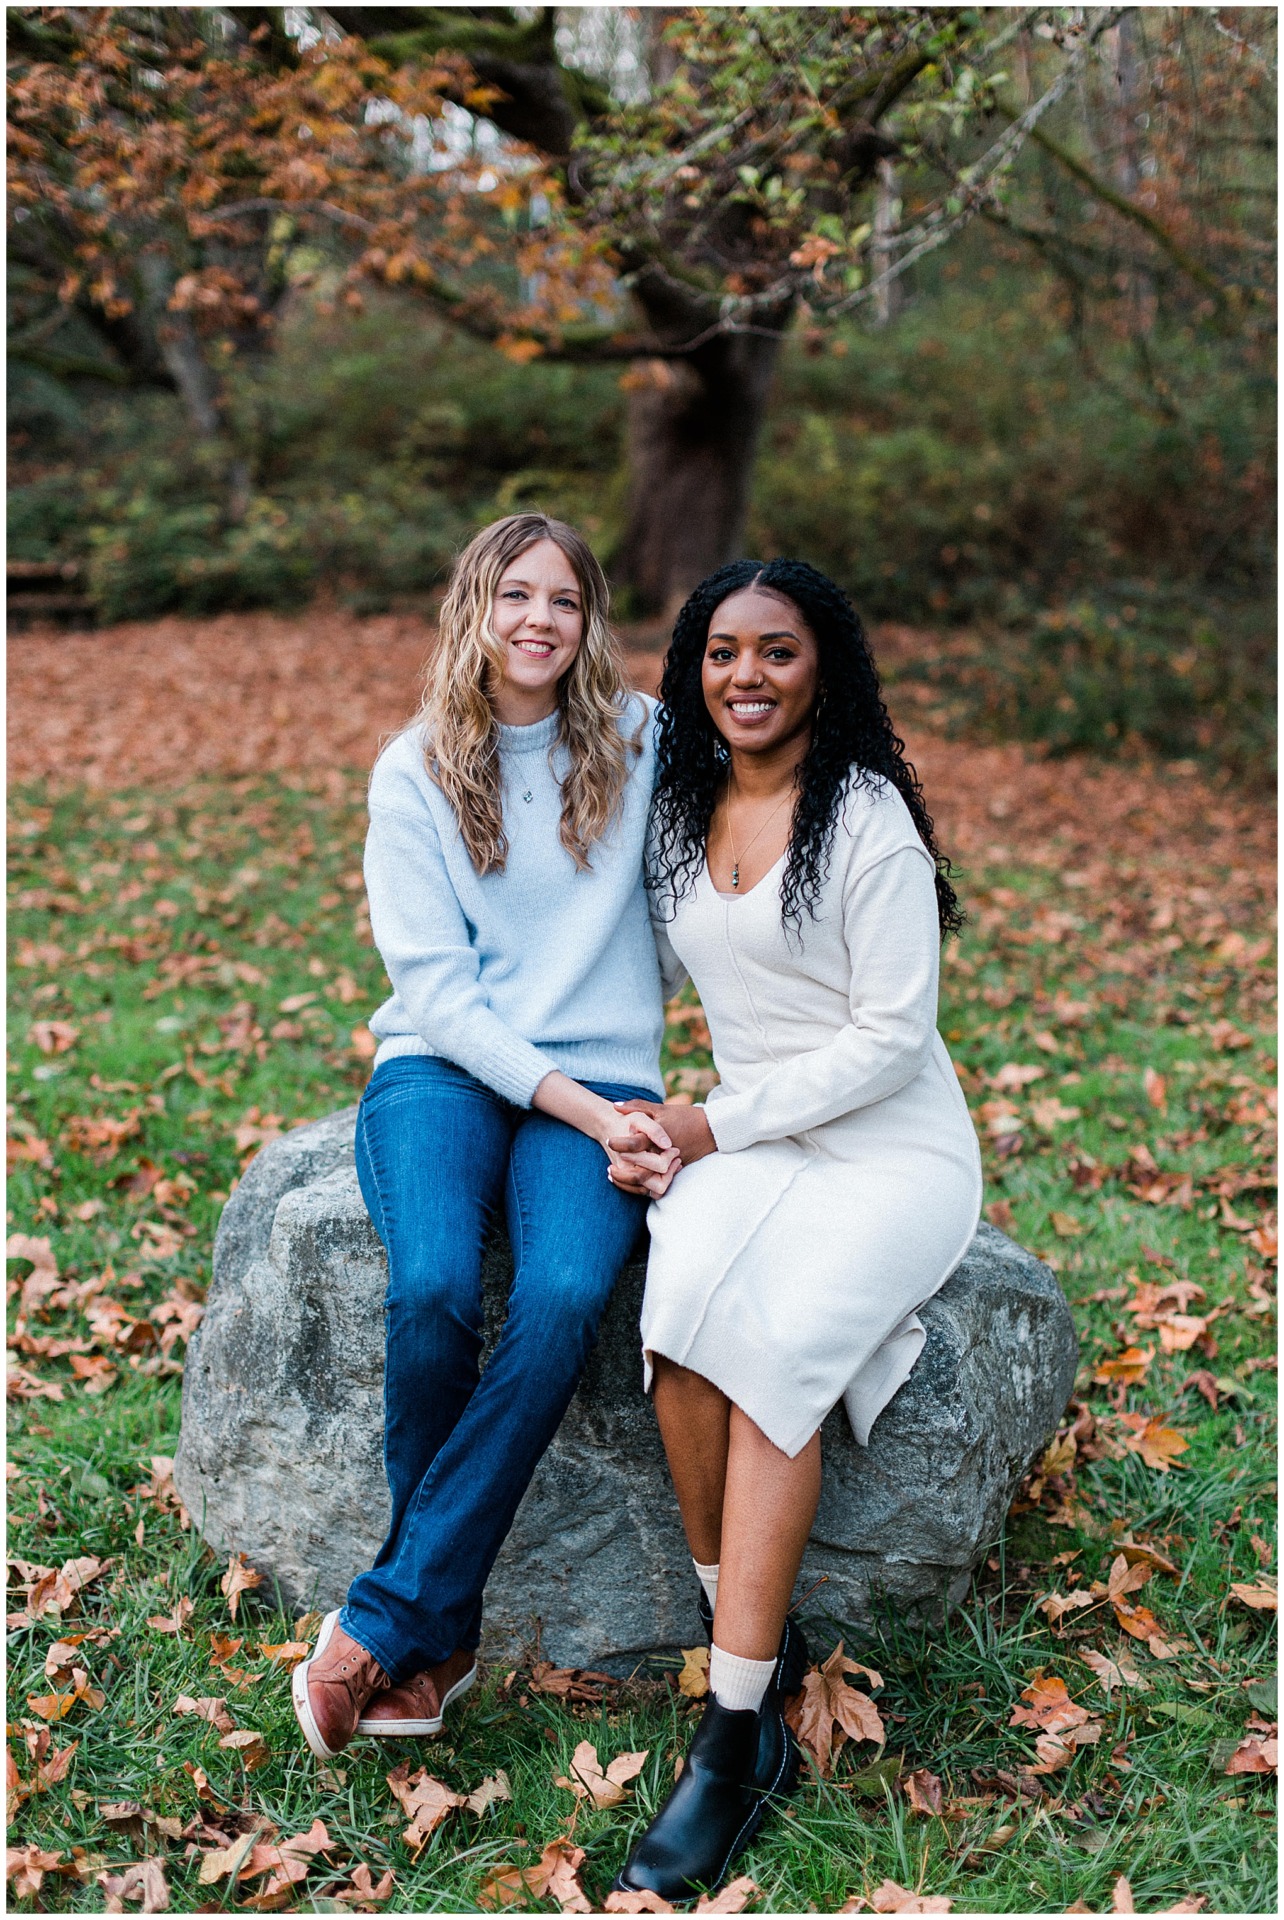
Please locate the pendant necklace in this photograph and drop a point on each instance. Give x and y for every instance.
(735, 857)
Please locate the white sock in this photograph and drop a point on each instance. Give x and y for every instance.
(738, 1684)
(708, 1580)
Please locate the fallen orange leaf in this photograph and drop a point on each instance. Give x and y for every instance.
(1255, 1756)
(555, 1876)
(1130, 1367)
(828, 1711)
(1050, 1709)
(734, 1897)
(890, 1898)
(288, 1862)
(693, 1680)
(605, 1787)
(426, 1802)
(207, 1708)
(923, 1791)
(1263, 1596)
(250, 1748)
(1157, 1444)
(237, 1580)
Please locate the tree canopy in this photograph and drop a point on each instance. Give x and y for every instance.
(174, 170)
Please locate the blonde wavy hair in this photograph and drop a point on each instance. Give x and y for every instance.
(461, 748)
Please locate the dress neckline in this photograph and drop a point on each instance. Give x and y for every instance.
(720, 895)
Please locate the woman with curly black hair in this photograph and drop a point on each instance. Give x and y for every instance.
(832, 1181)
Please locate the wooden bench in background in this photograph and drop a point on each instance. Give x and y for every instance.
(40, 590)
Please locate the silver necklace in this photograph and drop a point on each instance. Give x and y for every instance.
(735, 857)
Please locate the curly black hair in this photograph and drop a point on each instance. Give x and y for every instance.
(851, 733)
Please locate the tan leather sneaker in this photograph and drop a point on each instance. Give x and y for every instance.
(330, 1688)
(418, 1706)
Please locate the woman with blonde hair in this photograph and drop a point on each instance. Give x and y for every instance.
(504, 868)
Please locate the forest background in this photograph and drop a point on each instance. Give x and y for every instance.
(973, 308)
(296, 319)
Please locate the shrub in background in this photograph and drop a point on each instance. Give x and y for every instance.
(1086, 545)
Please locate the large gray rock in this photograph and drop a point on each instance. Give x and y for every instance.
(280, 1455)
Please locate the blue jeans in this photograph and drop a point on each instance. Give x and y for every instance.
(436, 1153)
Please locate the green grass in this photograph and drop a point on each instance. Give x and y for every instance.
(257, 882)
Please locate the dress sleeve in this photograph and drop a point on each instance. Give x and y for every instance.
(422, 936)
(892, 933)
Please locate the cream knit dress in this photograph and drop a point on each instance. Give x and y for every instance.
(786, 1268)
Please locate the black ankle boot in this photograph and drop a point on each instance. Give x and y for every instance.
(714, 1810)
(776, 1743)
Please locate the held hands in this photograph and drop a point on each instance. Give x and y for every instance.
(644, 1159)
(684, 1129)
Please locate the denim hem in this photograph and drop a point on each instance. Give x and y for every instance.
(391, 1667)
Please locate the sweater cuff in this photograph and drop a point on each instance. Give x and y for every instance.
(515, 1071)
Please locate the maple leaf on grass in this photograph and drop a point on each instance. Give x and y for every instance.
(285, 1653)
(95, 1373)
(176, 1621)
(569, 1683)
(1255, 1755)
(693, 1681)
(1121, 1900)
(1056, 1750)
(1128, 1367)
(494, 1787)
(144, 1882)
(53, 1769)
(56, 1590)
(53, 1036)
(605, 1787)
(56, 1706)
(555, 1876)
(733, 1898)
(208, 1708)
(1118, 1672)
(1055, 1605)
(221, 1862)
(891, 1898)
(923, 1791)
(1157, 1444)
(1062, 1726)
(288, 1862)
(1135, 1550)
(1141, 1623)
(1179, 1331)
(361, 1893)
(1263, 1596)
(640, 1901)
(828, 1711)
(27, 1866)
(250, 1748)
(237, 1580)
(1126, 1576)
(1050, 1708)
(426, 1801)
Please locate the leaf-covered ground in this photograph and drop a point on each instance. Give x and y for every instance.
(191, 972)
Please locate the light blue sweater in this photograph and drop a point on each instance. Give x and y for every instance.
(515, 973)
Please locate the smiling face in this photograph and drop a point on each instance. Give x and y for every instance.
(538, 618)
(761, 673)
